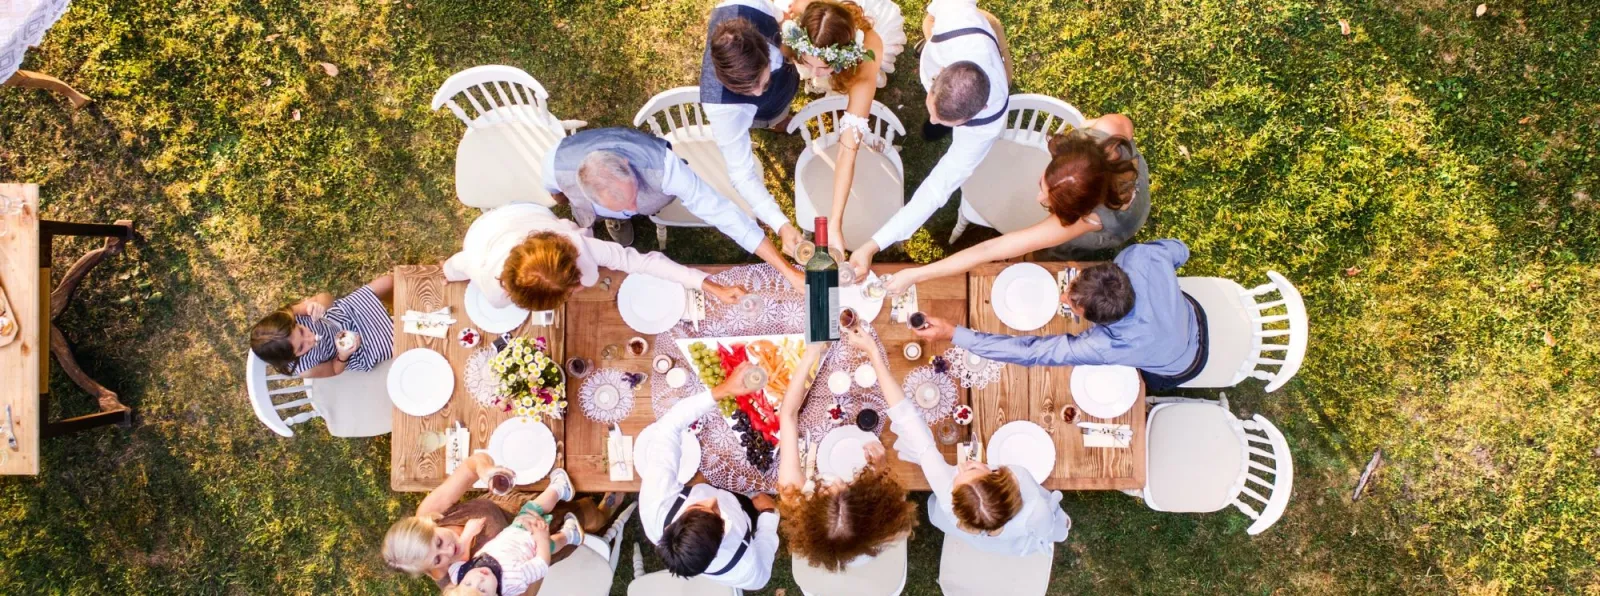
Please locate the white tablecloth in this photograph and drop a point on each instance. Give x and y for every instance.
(22, 25)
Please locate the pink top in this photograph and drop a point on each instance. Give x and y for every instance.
(492, 236)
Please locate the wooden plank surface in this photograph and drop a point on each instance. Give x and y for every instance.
(423, 288)
(1041, 393)
(24, 360)
(594, 322)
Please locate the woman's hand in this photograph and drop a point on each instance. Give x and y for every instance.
(347, 347)
(902, 281)
(790, 237)
(1090, 223)
(874, 452)
(861, 262)
(470, 531)
(859, 339)
(734, 384)
(313, 309)
(724, 294)
(836, 234)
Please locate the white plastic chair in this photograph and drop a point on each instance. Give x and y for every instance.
(509, 131)
(1245, 327)
(677, 116)
(883, 575)
(663, 583)
(1007, 181)
(967, 571)
(352, 404)
(1200, 458)
(591, 567)
(879, 188)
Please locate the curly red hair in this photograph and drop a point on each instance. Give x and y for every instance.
(832, 527)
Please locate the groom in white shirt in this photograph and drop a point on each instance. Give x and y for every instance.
(702, 529)
(965, 69)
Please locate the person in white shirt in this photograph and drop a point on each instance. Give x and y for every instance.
(523, 254)
(745, 83)
(966, 70)
(617, 173)
(1000, 510)
(702, 529)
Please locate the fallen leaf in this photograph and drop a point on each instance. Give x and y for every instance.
(1525, 120)
(1549, 340)
(273, 37)
(329, 68)
(1182, 150)
(295, 115)
(1344, 27)
(1352, 272)
(267, 83)
(1482, 8)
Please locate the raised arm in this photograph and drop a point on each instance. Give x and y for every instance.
(449, 492)
(730, 126)
(1045, 234)
(722, 213)
(622, 258)
(853, 127)
(790, 473)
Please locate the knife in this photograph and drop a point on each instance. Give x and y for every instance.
(11, 429)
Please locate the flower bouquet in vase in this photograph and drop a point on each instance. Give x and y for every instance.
(529, 379)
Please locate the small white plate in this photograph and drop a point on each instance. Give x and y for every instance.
(524, 446)
(839, 382)
(865, 376)
(420, 382)
(688, 458)
(650, 305)
(840, 455)
(1023, 443)
(677, 377)
(490, 318)
(1104, 391)
(852, 296)
(607, 396)
(926, 395)
(1025, 297)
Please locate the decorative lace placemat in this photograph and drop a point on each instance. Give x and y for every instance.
(944, 402)
(480, 380)
(595, 408)
(973, 375)
(722, 457)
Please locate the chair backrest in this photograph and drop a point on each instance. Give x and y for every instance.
(677, 109)
(260, 384)
(663, 583)
(1032, 118)
(1266, 454)
(1283, 317)
(496, 94)
(818, 124)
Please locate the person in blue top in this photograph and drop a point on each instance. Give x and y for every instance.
(1141, 319)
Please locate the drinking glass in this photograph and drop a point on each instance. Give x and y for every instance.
(610, 352)
(579, 367)
(501, 481)
(430, 440)
(637, 346)
(877, 288)
(947, 432)
(755, 379)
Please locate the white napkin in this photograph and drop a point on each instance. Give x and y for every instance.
(428, 324)
(457, 447)
(1099, 434)
(619, 456)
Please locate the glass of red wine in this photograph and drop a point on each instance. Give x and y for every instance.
(917, 320)
(501, 481)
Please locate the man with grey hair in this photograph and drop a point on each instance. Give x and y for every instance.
(616, 173)
(966, 68)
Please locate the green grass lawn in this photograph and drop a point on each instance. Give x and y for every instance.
(1427, 181)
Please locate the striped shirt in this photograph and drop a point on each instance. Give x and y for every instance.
(362, 312)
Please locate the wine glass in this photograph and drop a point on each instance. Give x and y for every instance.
(430, 440)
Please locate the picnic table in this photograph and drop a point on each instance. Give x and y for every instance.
(26, 254)
(590, 321)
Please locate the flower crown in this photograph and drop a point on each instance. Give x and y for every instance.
(838, 56)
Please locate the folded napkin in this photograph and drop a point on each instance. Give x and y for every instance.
(457, 447)
(901, 306)
(696, 309)
(428, 324)
(1099, 434)
(619, 457)
(1063, 280)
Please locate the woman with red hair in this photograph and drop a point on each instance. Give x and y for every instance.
(1096, 189)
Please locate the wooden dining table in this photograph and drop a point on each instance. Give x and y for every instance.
(590, 321)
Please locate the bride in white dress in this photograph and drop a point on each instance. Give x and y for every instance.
(844, 47)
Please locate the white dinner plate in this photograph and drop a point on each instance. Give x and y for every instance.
(420, 382)
(1025, 296)
(650, 305)
(866, 376)
(852, 296)
(840, 454)
(1023, 443)
(524, 446)
(839, 382)
(490, 318)
(1104, 391)
(688, 459)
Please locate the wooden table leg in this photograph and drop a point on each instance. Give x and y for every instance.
(112, 410)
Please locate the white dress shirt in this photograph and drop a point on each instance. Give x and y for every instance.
(969, 144)
(1039, 524)
(659, 488)
(730, 126)
(678, 180)
(492, 236)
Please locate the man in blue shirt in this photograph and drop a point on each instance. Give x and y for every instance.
(1141, 319)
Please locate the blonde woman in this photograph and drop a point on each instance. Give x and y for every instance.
(845, 47)
(446, 531)
(999, 510)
